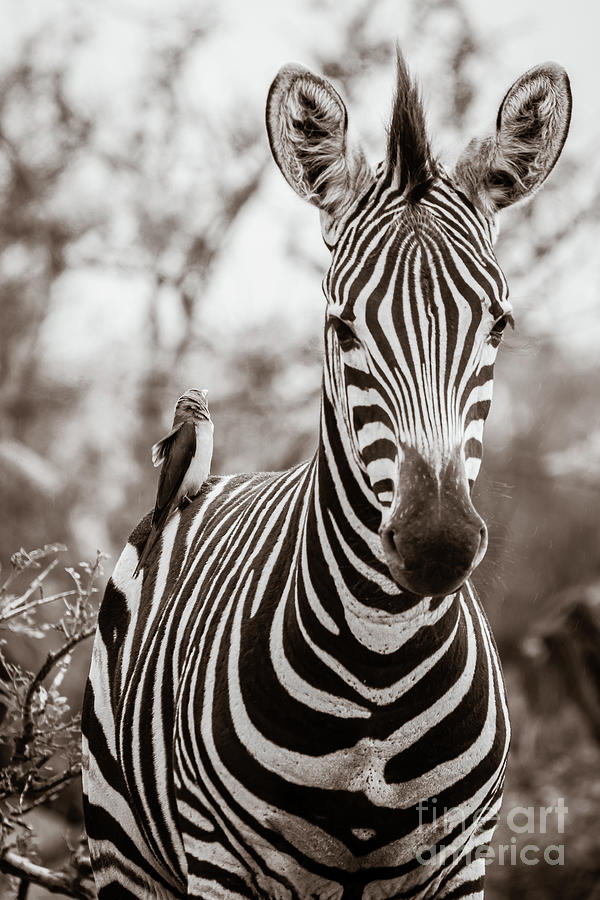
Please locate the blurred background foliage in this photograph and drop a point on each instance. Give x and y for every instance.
(148, 244)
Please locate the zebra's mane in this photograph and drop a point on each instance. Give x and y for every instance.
(409, 157)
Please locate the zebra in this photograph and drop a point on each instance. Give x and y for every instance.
(302, 697)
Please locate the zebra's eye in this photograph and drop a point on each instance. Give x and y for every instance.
(498, 328)
(346, 337)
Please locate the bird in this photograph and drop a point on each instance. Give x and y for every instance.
(185, 454)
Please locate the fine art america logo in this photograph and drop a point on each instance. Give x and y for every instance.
(520, 820)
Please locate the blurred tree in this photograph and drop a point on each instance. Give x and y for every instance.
(42, 138)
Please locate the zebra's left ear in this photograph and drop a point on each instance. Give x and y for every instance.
(307, 124)
(531, 129)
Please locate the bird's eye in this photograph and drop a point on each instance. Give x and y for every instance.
(345, 335)
(497, 331)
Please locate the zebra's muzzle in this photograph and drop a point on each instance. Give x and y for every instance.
(434, 538)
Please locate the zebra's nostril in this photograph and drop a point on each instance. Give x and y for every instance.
(390, 540)
(436, 561)
(483, 542)
(387, 538)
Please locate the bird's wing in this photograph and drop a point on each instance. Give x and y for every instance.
(161, 448)
(176, 463)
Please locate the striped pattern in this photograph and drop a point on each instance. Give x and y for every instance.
(423, 289)
(273, 725)
(269, 713)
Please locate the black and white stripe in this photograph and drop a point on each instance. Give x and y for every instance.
(276, 711)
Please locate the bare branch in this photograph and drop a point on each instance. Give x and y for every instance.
(20, 610)
(53, 657)
(23, 560)
(11, 863)
(37, 582)
(48, 790)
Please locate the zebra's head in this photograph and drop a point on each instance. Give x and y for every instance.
(416, 301)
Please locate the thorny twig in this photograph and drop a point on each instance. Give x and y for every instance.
(34, 604)
(23, 560)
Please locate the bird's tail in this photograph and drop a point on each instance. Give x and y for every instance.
(150, 542)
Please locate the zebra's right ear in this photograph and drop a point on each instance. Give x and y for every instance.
(307, 124)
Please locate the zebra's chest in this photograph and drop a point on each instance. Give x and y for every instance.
(312, 781)
(328, 823)
(375, 802)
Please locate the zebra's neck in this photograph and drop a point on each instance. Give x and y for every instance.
(342, 581)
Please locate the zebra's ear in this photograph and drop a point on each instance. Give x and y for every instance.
(307, 124)
(531, 129)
